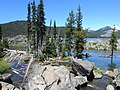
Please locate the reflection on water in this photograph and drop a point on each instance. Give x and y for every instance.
(100, 61)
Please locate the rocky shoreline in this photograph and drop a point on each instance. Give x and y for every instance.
(75, 74)
(100, 45)
(21, 41)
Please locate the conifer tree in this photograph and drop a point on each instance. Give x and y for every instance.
(28, 25)
(54, 30)
(79, 35)
(69, 31)
(33, 27)
(41, 24)
(0, 33)
(113, 43)
(50, 32)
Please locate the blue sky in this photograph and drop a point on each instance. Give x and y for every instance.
(96, 13)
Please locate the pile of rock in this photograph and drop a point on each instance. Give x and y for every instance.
(115, 76)
(53, 78)
(47, 77)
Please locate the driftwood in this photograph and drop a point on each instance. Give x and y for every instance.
(27, 70)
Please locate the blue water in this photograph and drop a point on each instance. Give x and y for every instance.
(94, 39)
(101, 62)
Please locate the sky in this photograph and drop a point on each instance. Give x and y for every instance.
(96, 13)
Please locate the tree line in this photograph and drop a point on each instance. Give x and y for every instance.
(45, 43)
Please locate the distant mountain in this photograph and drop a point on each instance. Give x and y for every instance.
(103, 32)
(14, 28)
(19, 28)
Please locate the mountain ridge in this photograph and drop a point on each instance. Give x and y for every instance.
(19, 27)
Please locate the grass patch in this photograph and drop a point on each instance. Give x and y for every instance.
(4, 65)
(18, 48)
(7, 55)
(67, 58)
(97, 70)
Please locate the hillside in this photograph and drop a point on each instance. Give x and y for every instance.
(19, 28)
(14, 28)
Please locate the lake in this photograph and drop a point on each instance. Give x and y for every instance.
(95, 39)
(101, 62)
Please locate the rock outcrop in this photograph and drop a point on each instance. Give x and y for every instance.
(99, 45)
(84, 68)
(53, 78)
(6, 86)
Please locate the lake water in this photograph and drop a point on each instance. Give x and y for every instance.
(95, 39)
(101, 62)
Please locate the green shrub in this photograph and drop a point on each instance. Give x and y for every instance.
(67, 58)
(97, 70)
(2, 54)
(111, 67)
(4, 65)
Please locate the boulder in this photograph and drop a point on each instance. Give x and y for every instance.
(110, 73)
(84, 68)
(50, 77)
(110, 87)
(116, 81)
(97, 75)
(6, 86)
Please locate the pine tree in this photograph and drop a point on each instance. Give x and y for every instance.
(0, 33)
(33, 27)
(79, 35)
(49, 31)
(113, 43)
(29, 25)
(69, 32)
(41, 24)
(54, 30)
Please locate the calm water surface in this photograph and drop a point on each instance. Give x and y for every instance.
(95, 39)
(100, 61)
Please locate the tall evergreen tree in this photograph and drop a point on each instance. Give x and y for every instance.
(50, 32)
(54, 30)
(28, 25)
(69, 31)
(0, 33)
(113, 43)
(40, 24)
(33, 27)
(79, 35)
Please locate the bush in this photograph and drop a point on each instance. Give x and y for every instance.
(4, 65)
(2, 54)
(111, 67)
(67, 58)
(97, 70)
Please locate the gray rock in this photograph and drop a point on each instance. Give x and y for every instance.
(97, 75)
(110, 73)
(84, 68)
(117, 81)
(116, 72)
(6, 86)
(53, 78)
(110, 87)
